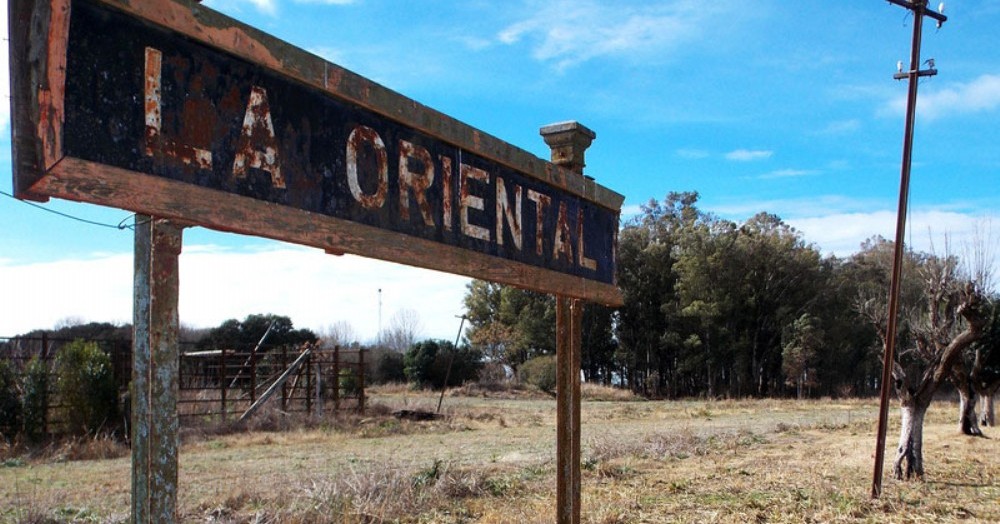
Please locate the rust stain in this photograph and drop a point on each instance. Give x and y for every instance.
(156, 144)
(231, 36)
(257, 147)
(182, 18)
(563, 242)
(467, 200)
(446, 202)
(418, 181)
(360, 136)
(52, 111)
(541, 201)
(512, 217)
(582, 259)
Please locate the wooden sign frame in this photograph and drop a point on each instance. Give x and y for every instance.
(144, 120)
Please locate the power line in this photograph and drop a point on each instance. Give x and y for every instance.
(121, 225)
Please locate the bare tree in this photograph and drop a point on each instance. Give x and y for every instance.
(983, 366)
(404, 329)
(952, 321)
(935, 330)
(340, 333)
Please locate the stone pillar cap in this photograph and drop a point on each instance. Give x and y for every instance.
(568, 142)
(567, 126)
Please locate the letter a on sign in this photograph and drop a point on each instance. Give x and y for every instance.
(249, 152)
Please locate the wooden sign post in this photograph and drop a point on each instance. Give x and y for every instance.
(155, 359)
(174, 111)
(568, 142)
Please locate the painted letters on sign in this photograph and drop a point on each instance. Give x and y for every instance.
(145, 103)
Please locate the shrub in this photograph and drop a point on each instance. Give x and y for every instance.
(347, 381)
(427, 362)
(35, 398)
(493, 375)
(10, 404)
(86, 387)
(539, 372)
(388, 367)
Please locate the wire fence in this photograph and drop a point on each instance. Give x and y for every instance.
(218, 384)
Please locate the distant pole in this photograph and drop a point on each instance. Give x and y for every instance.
(920, 10)
(451, 360)
(379, 334)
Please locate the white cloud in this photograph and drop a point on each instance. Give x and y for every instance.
(841, 127)
(787, 173)
(268, 7)
(693, 154)
(569, 32)
(327, 2)
(981, 95)
(748, 155)
(312, 288)
(842, 233)
(838, 224)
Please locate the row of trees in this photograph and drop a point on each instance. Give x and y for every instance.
(715, 308)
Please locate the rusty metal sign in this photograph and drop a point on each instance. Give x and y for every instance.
(167, 108)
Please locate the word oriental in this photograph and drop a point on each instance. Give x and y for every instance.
(216, 122)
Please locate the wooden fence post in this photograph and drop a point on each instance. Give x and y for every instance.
(308, 388)
(222, 382)
(361, 381)
(336, 379)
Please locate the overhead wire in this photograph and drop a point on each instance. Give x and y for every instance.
(121, 225)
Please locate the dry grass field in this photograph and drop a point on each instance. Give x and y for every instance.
(492, 460)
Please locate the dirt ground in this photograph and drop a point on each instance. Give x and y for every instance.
(493, 460)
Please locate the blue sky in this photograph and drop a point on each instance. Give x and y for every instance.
(773, 105)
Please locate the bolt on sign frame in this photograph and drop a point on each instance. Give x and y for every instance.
(170, 109)
(187, 117)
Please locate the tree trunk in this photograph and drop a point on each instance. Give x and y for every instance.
(968, 421)
(911, 440)
(988, 418)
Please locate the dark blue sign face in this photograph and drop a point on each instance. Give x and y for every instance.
(139, 98)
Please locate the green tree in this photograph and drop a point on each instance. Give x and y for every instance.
(985, 363)
(10, 402)
(35, 398)
(511, 325)
(427, 363)
(804, 339)
(649, 322)
(244, 335)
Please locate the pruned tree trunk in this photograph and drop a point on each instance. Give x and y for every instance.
(916, 385)
(968, 420)
(988, 418)
(911, 440)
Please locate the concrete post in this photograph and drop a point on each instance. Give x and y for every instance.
(568, 142)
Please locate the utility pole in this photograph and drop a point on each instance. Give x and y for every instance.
(913, 74)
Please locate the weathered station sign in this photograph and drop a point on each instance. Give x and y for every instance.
(167, 108)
